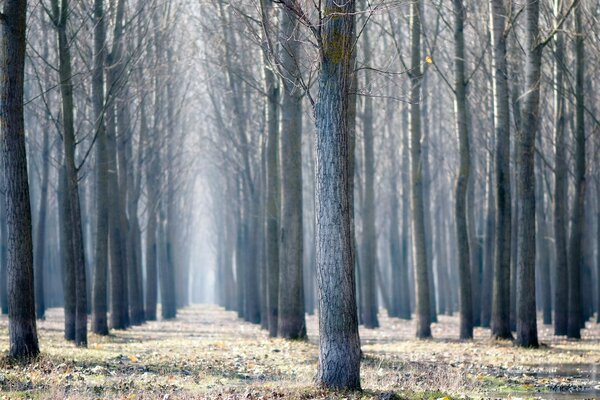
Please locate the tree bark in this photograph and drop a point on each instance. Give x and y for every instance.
(100, 301)
(21, 308)
(578, 222)
(339, 350)
(416, 182)
(526, 308)
(72, 204)
(291, 323)
(462, 181)
(502, 246)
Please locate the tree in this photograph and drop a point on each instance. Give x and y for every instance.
(273, 181)
(21, 308)
(72, 214)
(100, 301)
(368, 264)
(416, 182)
(561, 275)
(339, 343)
(291, 291)
(577, 225)
(502, 247)
(460, 105)
(526, 309)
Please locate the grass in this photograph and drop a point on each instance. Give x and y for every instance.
(208, 353)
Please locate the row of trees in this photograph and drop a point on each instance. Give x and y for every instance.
(388, 203)
(104, 171)
(485, 216)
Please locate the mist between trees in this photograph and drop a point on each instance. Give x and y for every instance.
(279, 158)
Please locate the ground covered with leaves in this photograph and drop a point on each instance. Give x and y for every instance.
(208, 353)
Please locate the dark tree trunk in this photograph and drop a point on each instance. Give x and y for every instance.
(578, 222)
(502, 247)
(72, 209)
(3, 250)
(21, 308)
(100, 301)
(561, 189)
(339, 353)
(462, 233)
(526, 308)
(291, 323)
(417, 202)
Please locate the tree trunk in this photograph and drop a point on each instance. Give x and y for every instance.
(462, 181)
(40, 243)
(578, 222)
(99, 302)
(526, 309)
(291, 323)
(339, 352)
(72, 206)
(542, 246)
(417, 203)
(21, 308)
(369, 262)
(502, 246)
(488, 271)
(561, 275)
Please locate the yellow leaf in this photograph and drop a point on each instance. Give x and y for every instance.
(429, 60)
(133, 359)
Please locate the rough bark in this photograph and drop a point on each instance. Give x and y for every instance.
(3, 250)
(339, 350)
(21, 308)
(526, 308)
(502, 245)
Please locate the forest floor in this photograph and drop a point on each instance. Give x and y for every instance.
(208, 353)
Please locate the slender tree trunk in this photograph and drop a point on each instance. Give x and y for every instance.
(502, 246)
(542, 247)
(72, 205)
(488, 272)
(21, 308)
(405, 309)
(339, 352)
(526, 309)
(578, 222)
(291, 323)
(369, 261)
(99, 302)
(462, 233)
(417, 202)
(561, 275)
(40, 243)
